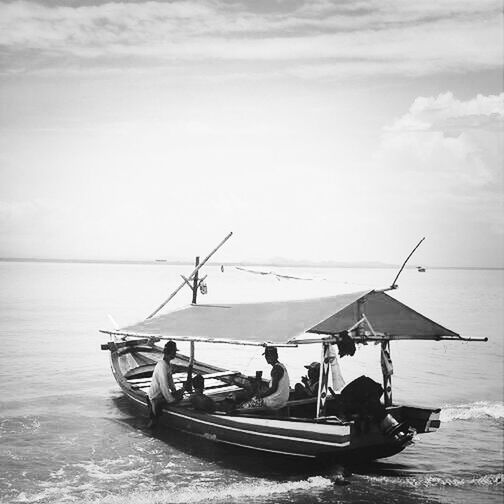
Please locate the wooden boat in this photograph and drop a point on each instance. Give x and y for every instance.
(320, 427)
(314, 427)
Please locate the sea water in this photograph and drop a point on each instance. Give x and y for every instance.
(67, 434)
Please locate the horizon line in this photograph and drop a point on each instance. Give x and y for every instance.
(286, 263)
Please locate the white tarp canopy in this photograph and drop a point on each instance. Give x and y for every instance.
(282, 321)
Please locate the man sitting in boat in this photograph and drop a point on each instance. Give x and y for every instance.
(310, 384)
(199, 401)
(277, 394)
(162, 389)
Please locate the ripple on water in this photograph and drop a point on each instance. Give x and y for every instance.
(473, 411)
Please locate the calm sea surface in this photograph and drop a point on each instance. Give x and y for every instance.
(68, 435)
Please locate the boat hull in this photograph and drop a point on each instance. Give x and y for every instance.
(292, 437)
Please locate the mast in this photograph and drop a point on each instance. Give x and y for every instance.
(191, 276)
(195, 282)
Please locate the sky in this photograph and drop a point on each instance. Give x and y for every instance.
(315, 130)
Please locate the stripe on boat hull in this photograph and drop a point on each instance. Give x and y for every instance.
(266, 450)
(319, 428)
(251, 447)
(258, 433)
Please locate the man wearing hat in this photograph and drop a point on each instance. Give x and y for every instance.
(162, 389)
(277, 394)
(309, 387)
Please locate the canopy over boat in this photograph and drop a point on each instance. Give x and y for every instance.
(284, 322)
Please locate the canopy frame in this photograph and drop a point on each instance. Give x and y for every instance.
(377, 337)
(201, 339)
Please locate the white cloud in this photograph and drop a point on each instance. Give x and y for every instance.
(425, 134)
(445, 182)
(318, 39)
(443, 112)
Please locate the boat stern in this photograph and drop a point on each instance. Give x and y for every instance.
(421, 419)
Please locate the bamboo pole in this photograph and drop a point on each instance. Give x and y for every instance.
(172, 295)
(186, 281)
(377, 336)
(394, 285)
(204, 339)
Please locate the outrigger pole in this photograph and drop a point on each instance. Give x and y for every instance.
(394, 285)
(191, 276)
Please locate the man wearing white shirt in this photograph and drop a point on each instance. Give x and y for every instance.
(162, 389)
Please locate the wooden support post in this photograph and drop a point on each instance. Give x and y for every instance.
(191, 355)
(195, 282)
(323, 380)
(387, 371)
(188, 384)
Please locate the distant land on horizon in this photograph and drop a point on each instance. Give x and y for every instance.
(276, 262)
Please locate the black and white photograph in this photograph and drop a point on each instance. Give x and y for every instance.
(251, 251)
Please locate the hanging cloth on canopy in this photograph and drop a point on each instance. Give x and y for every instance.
(386, 363)
(338, 382)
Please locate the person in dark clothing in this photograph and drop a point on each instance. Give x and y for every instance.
(310, 384)
(362, 397)
(199, 401)
(361, 400)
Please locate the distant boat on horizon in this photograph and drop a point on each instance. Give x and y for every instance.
(162, 260)
(420, 269)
